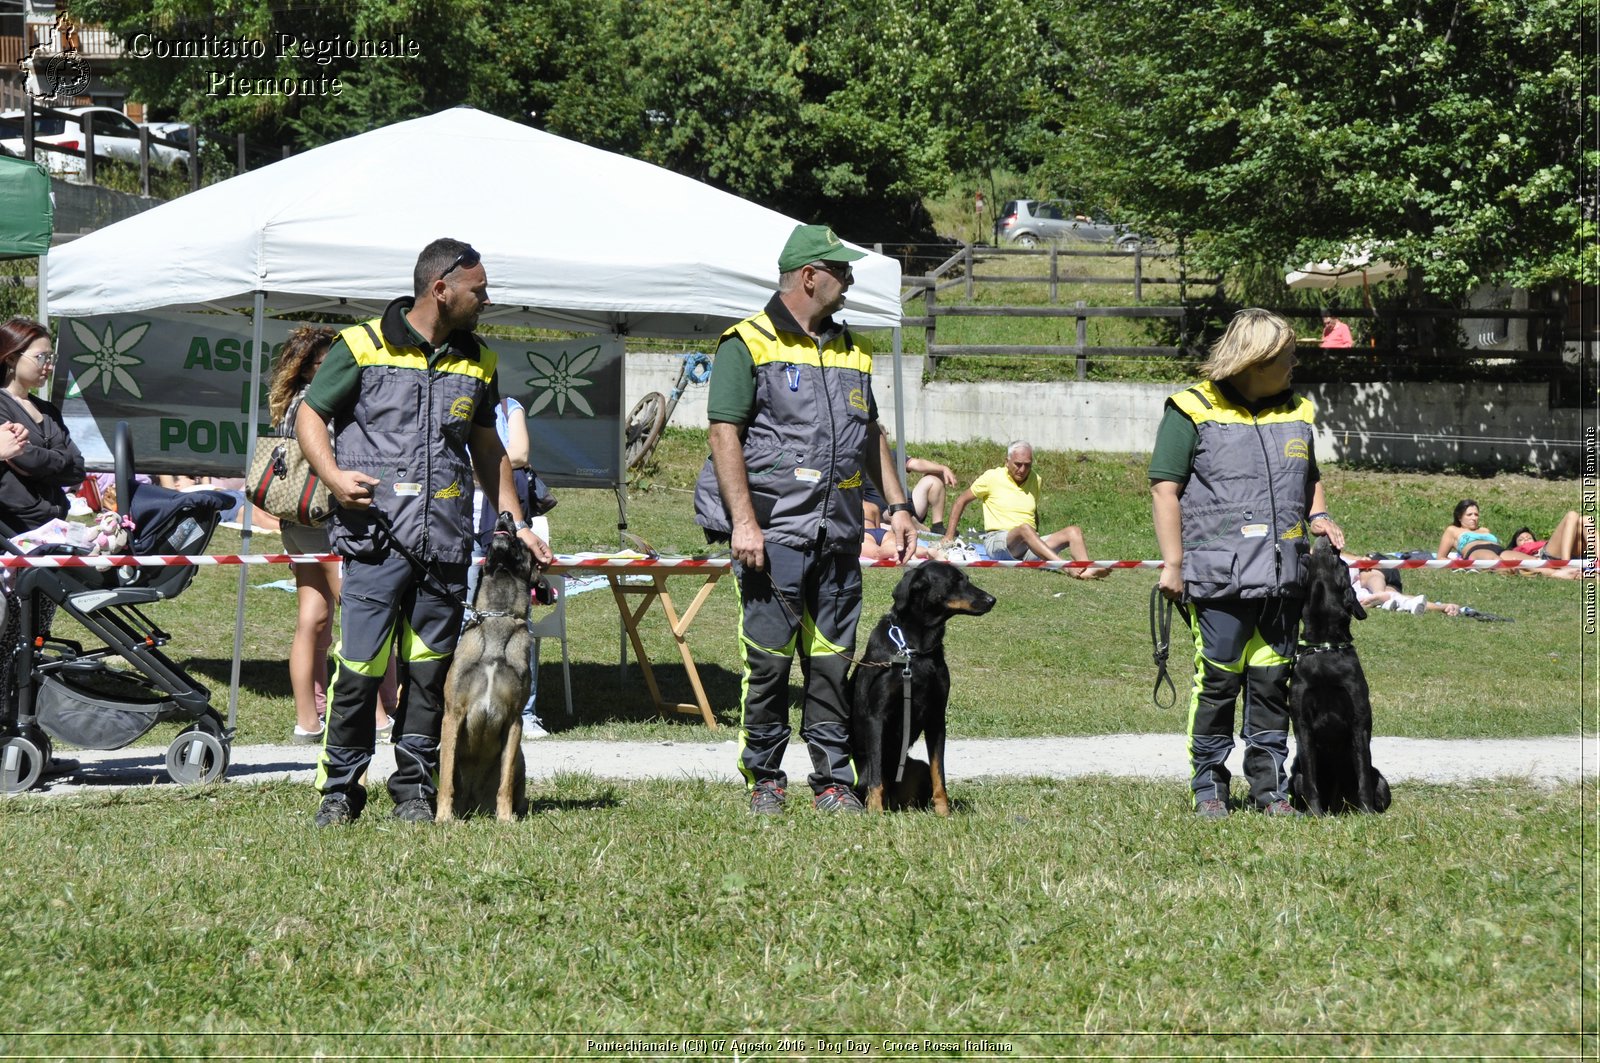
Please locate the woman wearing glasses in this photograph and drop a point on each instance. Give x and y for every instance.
(33, 483)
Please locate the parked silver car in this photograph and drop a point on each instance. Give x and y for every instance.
(116, 136)
(1030, 222)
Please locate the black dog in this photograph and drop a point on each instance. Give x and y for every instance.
(1332, 770)
(926, 597)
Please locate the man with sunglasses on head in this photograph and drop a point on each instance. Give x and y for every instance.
(396, 423)
(794, 436)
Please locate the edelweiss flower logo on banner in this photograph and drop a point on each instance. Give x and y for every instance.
(559, 381)
(107, 358)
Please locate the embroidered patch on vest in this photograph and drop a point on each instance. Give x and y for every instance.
(1253, 531)
(810, 476)
(1296, 448)
(462, 408)
(858, 399)
(853, 480)
(453, 491)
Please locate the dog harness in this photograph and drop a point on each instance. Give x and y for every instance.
(902, 656)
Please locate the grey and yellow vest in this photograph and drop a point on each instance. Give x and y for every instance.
(805, 446)
(409, 427)
(1244, 505)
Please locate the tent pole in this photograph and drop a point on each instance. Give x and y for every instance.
(899, 416)
(44, 301)
(257, 325)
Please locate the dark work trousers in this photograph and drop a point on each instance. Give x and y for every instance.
(381, 603)
(805, 600)
(1242, 645)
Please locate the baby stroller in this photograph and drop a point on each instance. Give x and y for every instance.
(108, 697)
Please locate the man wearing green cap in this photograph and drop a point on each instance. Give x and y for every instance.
(794, 434)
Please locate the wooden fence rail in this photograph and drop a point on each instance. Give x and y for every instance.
(964, 270)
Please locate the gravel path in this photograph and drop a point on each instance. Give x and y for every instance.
(1542, 761)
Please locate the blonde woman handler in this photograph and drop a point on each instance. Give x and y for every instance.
(1236, 497)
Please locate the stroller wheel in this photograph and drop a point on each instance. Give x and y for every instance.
(21, 762)
(197, 756)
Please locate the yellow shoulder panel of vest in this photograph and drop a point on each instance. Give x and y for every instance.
(767, 344)
(367, 353)
(1222, 411)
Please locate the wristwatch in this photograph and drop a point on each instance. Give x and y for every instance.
(522, 525)
(897, 507)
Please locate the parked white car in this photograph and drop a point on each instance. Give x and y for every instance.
(116, 136)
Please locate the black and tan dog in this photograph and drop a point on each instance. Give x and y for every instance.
(1328, 700)
(926, 598)
(480, 745)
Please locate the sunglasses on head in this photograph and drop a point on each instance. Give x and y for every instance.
(466, 259)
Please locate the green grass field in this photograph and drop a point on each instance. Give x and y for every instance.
(1048, 918)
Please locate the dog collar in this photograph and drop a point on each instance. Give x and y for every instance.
(474, 617)
(1325, 647)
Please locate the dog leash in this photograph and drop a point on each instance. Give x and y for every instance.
(902, 656)
(1161, 643)
(1479, 614)
(473, 616)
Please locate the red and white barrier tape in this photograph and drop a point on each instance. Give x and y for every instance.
(105, 561)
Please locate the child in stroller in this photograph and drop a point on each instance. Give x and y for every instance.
(65, 692)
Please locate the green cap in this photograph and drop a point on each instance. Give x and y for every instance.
(814, 243)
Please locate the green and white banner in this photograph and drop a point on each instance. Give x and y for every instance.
(182, 382)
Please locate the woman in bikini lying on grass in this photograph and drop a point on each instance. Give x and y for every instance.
(1473, 542)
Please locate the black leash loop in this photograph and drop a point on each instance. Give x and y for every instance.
(1161, 644)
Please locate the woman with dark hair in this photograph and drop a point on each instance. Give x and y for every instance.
(1572, 537)
(1471, 541)
(34, 482)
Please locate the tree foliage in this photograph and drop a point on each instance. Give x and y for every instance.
(1443, 134)
(826, 110)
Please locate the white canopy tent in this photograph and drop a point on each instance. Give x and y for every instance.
(572, 238)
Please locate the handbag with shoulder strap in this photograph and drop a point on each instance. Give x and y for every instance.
(282, 482)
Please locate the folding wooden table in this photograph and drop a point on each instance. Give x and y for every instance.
(659, 571)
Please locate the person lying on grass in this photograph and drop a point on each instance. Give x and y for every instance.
(1469, 539)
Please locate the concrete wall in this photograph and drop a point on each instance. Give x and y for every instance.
(1407, 425)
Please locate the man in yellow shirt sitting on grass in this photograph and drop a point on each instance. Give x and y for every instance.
(1010, 496)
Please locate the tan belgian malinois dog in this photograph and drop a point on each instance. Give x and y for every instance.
(480, 745)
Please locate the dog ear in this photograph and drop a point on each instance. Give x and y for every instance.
(904, 589)
(1352, 604)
